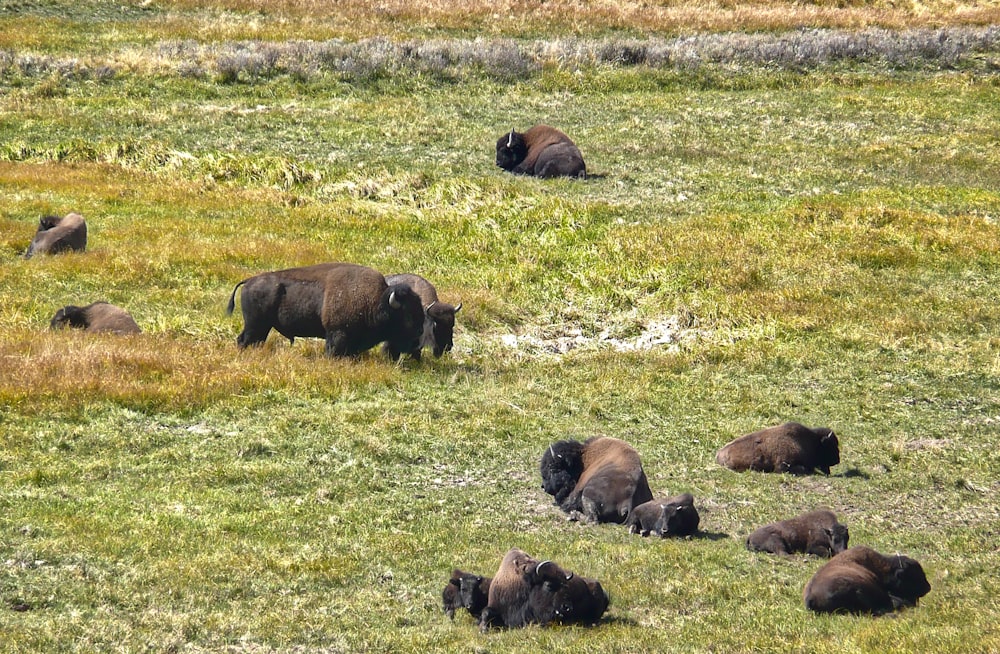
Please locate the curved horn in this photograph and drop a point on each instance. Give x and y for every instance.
(552, 451)
(428, 307)
(538, 569)
(510, 139)
(458, 308)
(393, 302)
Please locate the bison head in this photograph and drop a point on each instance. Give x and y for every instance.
(906, 582)
(829, 450)
(511, 150)
(561, 467)
(69, 315)
(442, 323)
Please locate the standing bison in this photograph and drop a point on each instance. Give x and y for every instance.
(57, 234)
(600, 480)
(96, 317)
(790, 447)
(672, 516)
(350, 306)
(814, 532)
(439, 317)
(861, 580)
(542, 151)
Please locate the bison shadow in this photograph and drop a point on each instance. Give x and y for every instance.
(710, 535)
(853, 472)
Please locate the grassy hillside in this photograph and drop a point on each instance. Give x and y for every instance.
(791, 215)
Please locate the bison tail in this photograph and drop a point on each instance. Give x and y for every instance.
(232, 299)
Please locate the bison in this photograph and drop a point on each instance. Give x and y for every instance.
(465, 590)
(57, 234)
(861, 580)
(600, 480)
(521, 592)
(814, 532)
(578, 600)
(96, 317)
(673, 516)
(349, 305)
(790, 447)
(439, 317)
(542, 151)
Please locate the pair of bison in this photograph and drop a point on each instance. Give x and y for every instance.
(525, 591)
(352, 307)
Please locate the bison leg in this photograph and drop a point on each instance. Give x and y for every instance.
(249, 337)
(337, 344)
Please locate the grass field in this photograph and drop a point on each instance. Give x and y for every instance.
(796, 203)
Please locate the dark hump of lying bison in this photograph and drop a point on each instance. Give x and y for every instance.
(349, 305)
(789, 447)
(814, 532)
(542, 151)
(861, 580)
(57, 234)
(96, 317)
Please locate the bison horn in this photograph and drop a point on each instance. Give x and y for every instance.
(510, 139)
(428, 307)
(393, 302)
(458, 308)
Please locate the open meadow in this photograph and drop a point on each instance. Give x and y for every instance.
(791, 214)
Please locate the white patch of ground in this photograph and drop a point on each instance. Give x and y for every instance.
(669, 333)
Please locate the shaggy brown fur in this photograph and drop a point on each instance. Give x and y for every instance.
(510, 596)
(814, 532)
(671, 516)
(439, 317)
(96, 317)
(860, 580)
(790, 447)
(349, 305)
(57, 234)
(542, 151)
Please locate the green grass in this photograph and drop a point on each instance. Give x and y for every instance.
(826, 234)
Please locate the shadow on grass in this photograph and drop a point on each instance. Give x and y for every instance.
(853, 472)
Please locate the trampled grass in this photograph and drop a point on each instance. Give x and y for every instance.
(818, 227)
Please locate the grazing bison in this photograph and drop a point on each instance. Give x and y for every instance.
(673, 516)
(790, 447)
(815, 532)
(349, 305)
(465, 590)
(57, 234)
(860, 580)
(600, 480)
(521, 592)
(542, 151)
(96, 317)
(439, 317)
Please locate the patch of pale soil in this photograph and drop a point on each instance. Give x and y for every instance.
(668, 333)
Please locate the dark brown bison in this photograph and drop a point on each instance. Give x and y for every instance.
(542, 151)
(814, 532)
(57, 234)
(578, 600)
(672, 516)
(439, 317)
(96, 317)
(349, 305)
(520, 590)
(790, 447)
(600, 480)
(465, 590)
(860, 580)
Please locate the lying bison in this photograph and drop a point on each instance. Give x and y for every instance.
(57, 234)
(96, 317)
(814, 532)
(600, 480)
(542, 151)
(790, 447)
(527, 591)
(672, 516)
(465, 590)
(349, 305)
(439, 317)
(860, 580)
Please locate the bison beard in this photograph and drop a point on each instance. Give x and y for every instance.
(349, 305)
(542, 151)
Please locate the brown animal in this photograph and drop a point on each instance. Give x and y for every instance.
(672, 516)
(860, 580)
(790, 447)
(439, 317)
(542, 151)
(814, 532)
(518, 591)
(578, 600)
(349, 305)
(465, 590)
(600, 480)
(96, 317)
(57, 234)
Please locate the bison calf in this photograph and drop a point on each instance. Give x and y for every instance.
(860, 580)
(465, 590)
(673, 516)
(815, 532)
(600, 480)
(57, 234)
(439, 317)
(96, 317)
(542, 151)
(349, 305)
(790, 447)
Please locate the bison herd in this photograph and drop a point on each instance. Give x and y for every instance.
(601, 480)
